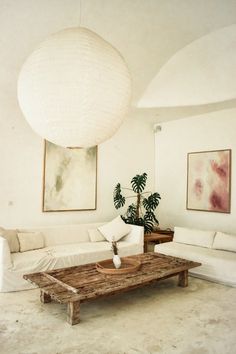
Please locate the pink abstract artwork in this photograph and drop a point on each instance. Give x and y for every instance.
(208, 185)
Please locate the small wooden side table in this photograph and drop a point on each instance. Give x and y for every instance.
(157, 238)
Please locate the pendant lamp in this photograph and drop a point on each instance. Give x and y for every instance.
(75, 89)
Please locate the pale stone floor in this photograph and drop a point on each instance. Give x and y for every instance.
(162, 318)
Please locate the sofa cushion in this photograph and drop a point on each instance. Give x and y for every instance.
(64, 234)
(115, 229)
(30, 241)
(12, 239)
(225, 242)
(217, 265)
(68, 255)
(194, 236)
(95, 235)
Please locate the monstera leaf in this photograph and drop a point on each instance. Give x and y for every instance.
(131, 211)
(151, 217)
(130, 215)
(119, 200)
(151, 202)
(139, 182)
(148, 224)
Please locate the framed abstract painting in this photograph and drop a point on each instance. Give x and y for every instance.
(208, 181)
(70, 178)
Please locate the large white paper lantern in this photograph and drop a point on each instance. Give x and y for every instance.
(75, 89)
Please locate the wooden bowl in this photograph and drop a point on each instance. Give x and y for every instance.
(128, 265)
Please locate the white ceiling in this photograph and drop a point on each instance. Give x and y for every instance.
(200, 73)
(147, 33)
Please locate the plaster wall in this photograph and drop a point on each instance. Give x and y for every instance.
(21, 177)
(212, 131)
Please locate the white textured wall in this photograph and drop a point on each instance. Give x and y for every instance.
(119, 159)
(211, 131)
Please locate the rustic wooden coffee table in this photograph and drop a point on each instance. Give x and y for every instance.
(80, 283)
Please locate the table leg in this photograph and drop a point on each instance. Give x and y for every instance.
(183, 278)
(73, 311)
(145, 247)
(44, 298)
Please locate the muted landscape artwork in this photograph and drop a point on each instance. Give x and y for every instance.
(208, 185)
(70, 178)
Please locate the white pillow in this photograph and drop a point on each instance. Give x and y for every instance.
(95, 235)
(30, 241)
(194, 237)
(224, 242)
(12, 239)
(115, 229)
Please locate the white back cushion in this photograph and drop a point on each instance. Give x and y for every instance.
(30, 241)
(61, 234)
(95, 235)
(12, 239)
(194, 236)
(224, 242)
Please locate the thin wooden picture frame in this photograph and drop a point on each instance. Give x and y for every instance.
(209, 181)
(69, 178)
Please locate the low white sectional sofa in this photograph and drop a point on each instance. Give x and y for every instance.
(215, 250)
(57, 247)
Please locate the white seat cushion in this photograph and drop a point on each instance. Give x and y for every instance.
(216, 265)
(61, 256)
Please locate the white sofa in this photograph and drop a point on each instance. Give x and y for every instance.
(64, 246)
(215, 250)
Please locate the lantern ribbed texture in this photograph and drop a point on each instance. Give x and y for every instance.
(75, 89)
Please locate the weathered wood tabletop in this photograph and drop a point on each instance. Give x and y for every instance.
(80, 283)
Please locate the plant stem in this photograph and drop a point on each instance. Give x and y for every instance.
(138, 205)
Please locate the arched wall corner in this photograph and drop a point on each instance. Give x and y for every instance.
(200, 73)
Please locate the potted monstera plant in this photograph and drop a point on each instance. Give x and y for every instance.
(142, 210)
